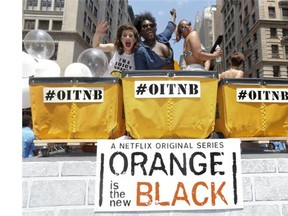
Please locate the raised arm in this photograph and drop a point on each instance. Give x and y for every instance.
(101, 30)
(195, 44)
(173, 15)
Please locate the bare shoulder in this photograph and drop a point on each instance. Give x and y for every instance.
(194, 34)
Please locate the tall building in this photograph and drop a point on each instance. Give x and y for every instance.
(258, 29)
(72, 23)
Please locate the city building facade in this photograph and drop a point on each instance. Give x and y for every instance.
(72, 24)
(258, 29)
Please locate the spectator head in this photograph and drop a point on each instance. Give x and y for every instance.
(26, 121)
(237, 59)
(119, 44)
(140, 18)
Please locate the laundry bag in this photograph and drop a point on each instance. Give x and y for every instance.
(169, 104)
(251, 107)
(77, 107)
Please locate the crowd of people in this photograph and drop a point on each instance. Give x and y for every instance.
(141, 47)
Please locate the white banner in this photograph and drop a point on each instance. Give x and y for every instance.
(72, 95)
(167, 89)
(271, 95)
(163, 175)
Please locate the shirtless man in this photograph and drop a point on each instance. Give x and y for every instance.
(236, 60)
(193, 50)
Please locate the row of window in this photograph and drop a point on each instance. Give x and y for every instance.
(274, 32)
(275, 71)
(30, 24)
(45, 5)
(272, 13)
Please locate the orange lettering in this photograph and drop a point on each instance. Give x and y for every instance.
(194, 190)
(145, 193)
(176, 197)
(157, 196)
(213, 194)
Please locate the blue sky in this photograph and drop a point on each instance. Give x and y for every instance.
(185, 9)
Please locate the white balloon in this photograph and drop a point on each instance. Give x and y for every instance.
(77, 70)
(39, 44)
(28, 65)
(47, 68)
(95, 59)
(25, 93)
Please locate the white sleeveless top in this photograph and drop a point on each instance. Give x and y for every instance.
(120, 62)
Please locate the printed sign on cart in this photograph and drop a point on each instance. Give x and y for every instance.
(272, 95)
(72, 95)
(167, 89)
(163, 175)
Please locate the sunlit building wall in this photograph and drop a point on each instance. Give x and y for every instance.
(72, 24)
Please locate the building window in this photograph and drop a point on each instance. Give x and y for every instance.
(46, 5)
(249, 62)
(54, 57)
(248, 44)
(273, 32)
(88, 40)
(59, 5)
(276, 71)
(29, 24)
(285, 13)
(255, 38)
(89, 23)
(286, 52)
(285, 32)
(43, 24)
(93, 28)
(90, 5)
(253, 18)
(246, 10)
(256, 54)
(95, 12)
(257, 73)
(32, 4)
(85, 17)
(271, 11)
(247, 27)
(56, 25)
(275, 51)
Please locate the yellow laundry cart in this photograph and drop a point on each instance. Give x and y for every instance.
(77, 107)
(251, 107)
(169, 104)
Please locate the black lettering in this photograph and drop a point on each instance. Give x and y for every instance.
(125, 164)
(182, 169)
(141, 163)
(191, 163)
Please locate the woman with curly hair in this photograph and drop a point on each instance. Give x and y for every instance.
(155, 51)
(122, 50)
